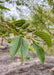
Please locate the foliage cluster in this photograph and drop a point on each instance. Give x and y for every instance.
(22, 27)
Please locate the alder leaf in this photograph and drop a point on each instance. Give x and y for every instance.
(23, 51)
(39, 51)
(45, 37)
(19, 44)
(15, 45)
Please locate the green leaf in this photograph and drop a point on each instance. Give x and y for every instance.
(15, 45)
(7, 0)
(44, 36)
(19, 23)
(19, 44)
(39, 51)
(23, 49)
(1, 2)
(18, 3)
(2, 7)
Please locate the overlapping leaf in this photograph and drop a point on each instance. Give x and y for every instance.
(23, 49)
(19, 44)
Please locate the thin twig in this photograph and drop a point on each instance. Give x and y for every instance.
(12, 30)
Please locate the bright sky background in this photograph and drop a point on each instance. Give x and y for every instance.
(16, 13)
